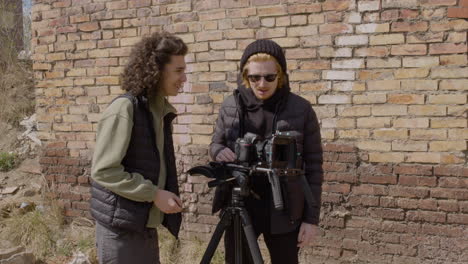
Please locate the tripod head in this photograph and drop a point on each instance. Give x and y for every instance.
(239, 175)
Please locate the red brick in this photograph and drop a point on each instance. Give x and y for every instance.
(448, 48)
(385, 213)
(458, 194)
(337, 5)
(413, 169)
(398, 227)
(428, 204)
(83, 179)
(47, 160)
(409, 26)
(441, 230)
(372, 52)
(336, 188)
(89, 26)
(436, 3)
(58, 22)
(409, 49)
(457, 219)
(341, 177)
(138, 3)
(389, 14)
(451, 171)
(80, 205)
(448, 205)
(335, 28)
(453, 182)
(417, 181)
(383, 169)
(339, 148)
(459, 12)
(409, 192)
(426, 216)
(347, 157)
(331, 198)
(304, 8)
(368, 189)
(72, 213)
(409, 13)
(379, 179)
(333, 166)
(58, 144)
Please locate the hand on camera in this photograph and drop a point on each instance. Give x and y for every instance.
(226, 155)
(167, 202)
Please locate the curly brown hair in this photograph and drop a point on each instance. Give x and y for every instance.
(147, 60)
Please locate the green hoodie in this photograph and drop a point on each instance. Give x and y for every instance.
(113, 137)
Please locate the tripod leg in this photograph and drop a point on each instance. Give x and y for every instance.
(216, 237)
(250, 236)
(237, 239)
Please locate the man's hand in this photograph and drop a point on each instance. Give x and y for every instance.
(167, 202)
(307, 232)
(226, 155)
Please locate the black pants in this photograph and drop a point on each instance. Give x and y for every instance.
(118, 246)
(282, 248)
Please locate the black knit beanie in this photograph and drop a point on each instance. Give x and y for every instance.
(264, 46)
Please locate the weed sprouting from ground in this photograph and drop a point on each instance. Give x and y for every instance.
(8, 161)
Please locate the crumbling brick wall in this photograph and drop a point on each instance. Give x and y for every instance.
(387, 78)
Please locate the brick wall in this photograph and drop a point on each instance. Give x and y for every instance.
(387, 78)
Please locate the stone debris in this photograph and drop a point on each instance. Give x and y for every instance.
(9, 190)
(79, 258)
(28, 140)
(16, 255)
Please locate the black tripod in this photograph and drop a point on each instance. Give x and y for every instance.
(235, 214)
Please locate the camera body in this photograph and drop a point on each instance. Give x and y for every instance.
(277, 152)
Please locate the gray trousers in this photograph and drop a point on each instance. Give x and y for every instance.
(120, 246)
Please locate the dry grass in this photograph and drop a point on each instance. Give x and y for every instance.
(183, 251)
(36, 230)
(16, 83)
(53, 241)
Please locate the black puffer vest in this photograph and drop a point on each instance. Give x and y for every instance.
(142, 157)
(297, 117)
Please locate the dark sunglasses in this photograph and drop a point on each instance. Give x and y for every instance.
(256, 78)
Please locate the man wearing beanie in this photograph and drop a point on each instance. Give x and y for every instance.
(263, 104)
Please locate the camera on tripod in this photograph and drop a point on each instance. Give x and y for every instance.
(278, 152)
(277, 158)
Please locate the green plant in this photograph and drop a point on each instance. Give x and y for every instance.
(8, 161)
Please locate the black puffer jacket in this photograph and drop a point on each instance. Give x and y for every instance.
(296, 115)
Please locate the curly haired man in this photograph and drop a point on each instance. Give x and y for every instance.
(134, 181)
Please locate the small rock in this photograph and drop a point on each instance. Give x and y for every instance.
(7, 253)
(27, 207)
(30, 166)
(79, 258)
(10, 190)
(40, 208)
(29, 193)
(21, 258)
